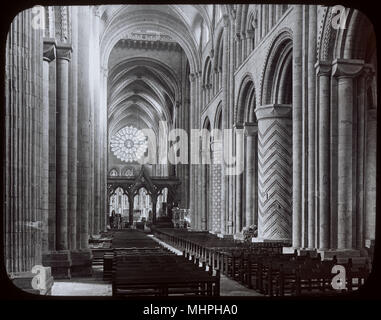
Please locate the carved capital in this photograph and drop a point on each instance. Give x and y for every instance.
(272, 111)
(238, 126)
(250, 128)
(64, 51)
(347, 67)
(192, 77)
(323, 68)
(49, 50)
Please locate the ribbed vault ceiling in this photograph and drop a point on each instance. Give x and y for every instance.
(143, 91)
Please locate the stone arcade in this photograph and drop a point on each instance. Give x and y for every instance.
(301, 91)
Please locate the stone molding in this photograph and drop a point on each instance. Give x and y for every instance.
(64, 51)
(271, 111)
(251, 128)
(347, 67)
(323, 68)
(49, 50)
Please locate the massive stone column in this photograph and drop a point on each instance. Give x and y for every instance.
(82, 258)
(192, 173)
(105, 208)
(323, 75)
(238, 177)
(297, 128)
(63, 58)
(48, 56)
(251, 130)
(52, 157)
(22, 110)
(97, 125)
(359, 154)
(274, 172)
(345, 71)
(225, 222)
(58, 257)
(73, 134)
(205, 192)
(230, 109)
(312, 26)
(201, 214)
(370, 173)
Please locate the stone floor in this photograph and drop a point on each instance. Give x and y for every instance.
(95, 286)
(90, 286)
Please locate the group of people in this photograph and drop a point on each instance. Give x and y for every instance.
(250, 232)
(115, 220)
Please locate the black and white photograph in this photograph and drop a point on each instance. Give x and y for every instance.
(189, 150)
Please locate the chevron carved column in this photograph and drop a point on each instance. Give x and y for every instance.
(274, 172)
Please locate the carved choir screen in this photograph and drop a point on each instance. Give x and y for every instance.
(152, 192)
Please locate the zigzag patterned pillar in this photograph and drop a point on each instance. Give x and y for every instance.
(274, 172)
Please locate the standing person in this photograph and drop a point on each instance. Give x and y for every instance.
(118, 221)
(112, 219)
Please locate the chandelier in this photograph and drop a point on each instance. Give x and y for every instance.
(128, 144)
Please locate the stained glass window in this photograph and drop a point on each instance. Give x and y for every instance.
(128, 144)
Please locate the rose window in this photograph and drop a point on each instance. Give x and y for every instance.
(129, 144)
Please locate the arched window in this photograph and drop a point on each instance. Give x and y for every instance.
(129, 172)
(113, 173)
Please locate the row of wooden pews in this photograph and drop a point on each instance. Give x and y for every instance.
(263, 266)
(139, 266)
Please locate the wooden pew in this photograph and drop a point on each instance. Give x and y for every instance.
(165, 274)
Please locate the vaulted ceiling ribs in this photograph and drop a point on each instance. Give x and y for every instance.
(141, 92)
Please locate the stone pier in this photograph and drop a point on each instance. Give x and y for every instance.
(274, 172)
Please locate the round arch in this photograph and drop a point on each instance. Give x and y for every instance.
(276, 70)
(246, 101)
(129, 20)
